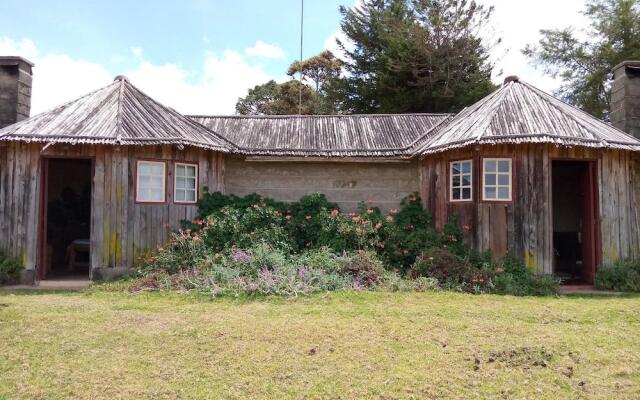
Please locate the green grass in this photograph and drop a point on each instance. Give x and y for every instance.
(111, 345)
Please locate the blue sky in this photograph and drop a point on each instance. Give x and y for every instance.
(199, 56)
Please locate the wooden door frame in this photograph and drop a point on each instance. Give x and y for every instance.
(43, 197)
(591, 168)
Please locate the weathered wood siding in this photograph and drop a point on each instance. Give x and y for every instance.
(346, 183)
(121, 229)
(525, 226)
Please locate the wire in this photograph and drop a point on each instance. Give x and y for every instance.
(300, 66)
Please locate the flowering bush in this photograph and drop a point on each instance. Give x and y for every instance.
(256, 245)
(268, 271)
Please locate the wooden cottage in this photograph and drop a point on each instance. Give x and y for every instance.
(105, 177)
(93, 184)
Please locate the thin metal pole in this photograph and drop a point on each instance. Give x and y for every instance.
(301, 37)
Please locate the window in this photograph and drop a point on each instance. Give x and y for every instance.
(186, 183)
(460, 183)
(151, 182)
(496, 181)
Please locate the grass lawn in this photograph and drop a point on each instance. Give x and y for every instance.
(110, 345)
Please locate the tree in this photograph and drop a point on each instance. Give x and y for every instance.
(585, 65)
(415, 55)
(272, 98)
(318, 69)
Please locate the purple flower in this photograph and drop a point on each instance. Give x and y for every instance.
(240, 256)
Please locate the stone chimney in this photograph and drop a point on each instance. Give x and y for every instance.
(15, 89)
(625, 97)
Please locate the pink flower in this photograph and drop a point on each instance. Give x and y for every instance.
(334, 213)
(393, 211)
(379, 225)
(359, 230)
(308, 217)
(389, 218)
(466, 227)
(405, 252)
(412, 198)
(370, 211)
(355, 218)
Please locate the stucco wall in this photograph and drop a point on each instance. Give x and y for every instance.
(346, 183)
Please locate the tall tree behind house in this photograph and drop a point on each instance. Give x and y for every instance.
(415, 56)
(585, 66)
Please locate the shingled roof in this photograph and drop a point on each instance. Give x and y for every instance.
(376, 135)
(520, 113)
(118, 114)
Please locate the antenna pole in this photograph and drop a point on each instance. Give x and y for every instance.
(301, 37)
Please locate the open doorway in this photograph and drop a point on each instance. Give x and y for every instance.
(66, 218)
(575, 219)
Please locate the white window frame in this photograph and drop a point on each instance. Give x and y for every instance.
(497, 174)
(164, 181)
(461, 186)
(175, 186)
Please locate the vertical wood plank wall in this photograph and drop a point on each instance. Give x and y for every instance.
(525, 226)
(121, 229)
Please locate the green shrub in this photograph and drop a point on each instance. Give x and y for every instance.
(622, 277)
(516, 279)
(451, 271)
(9, 269)
(252, 244)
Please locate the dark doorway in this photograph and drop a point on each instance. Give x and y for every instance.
(575, 216)
(66, 218)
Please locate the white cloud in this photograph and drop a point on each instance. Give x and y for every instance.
(264, 49)
(136, 51)
(518, 24)
(223, 79)
(211, 89)
(57, 78)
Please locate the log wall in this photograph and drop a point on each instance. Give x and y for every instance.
(524, 226)
(121, 229)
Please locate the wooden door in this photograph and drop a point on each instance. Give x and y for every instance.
(590, 213)
(41, 268)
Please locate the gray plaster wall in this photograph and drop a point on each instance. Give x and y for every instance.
(346, 183)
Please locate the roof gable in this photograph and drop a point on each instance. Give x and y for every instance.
(118, 114)
(521, 113)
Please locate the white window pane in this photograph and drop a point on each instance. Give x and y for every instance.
(190, 171)
(490, 166)
(180, 170)
(157, 168)
(503, 180)
(466, 194)
(466, 180)
(503, 166)
(490, 193)
(191, 195)
(180, 183)
(179, 195)
(490, 179)
(503, 193)
(455, 181)
(191, 183)
(466, 167)
(455, 168)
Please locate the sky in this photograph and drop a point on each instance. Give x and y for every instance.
(200, 56)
